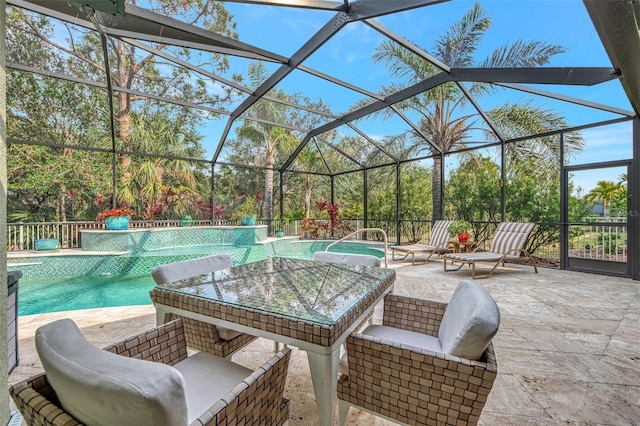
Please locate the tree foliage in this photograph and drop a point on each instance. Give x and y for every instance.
(78, 114)
(442, 125)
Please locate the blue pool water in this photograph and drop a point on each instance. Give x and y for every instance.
(54, 294)
(41, 295)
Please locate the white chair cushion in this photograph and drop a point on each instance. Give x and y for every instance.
(418, 340)
(175, 271)
(227, 333)
(347, 258)
(101, 388)
(470, 321)
(207, 379)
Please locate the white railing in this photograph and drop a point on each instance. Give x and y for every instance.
(597, 238)
(599, 242)
(22, 236)
(359, 231)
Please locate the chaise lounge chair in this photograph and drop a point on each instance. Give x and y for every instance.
(438, 243)
(507, 243)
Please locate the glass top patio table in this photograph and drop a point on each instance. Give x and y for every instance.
(310, 291)
(309, 304)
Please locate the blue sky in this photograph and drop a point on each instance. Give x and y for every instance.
(348, 56)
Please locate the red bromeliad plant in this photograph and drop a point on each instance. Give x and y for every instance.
(335, 227)
(114, 213)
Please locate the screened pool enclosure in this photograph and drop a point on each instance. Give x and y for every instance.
(326, 116)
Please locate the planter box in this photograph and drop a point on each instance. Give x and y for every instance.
(117, 223)
(248, 220)
(44, 244)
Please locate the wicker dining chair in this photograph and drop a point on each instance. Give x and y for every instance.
(200, 335)
(429, 363)
(104, 389)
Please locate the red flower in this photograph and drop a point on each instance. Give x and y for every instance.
(321, 204)
(115, 213)
(100, 201)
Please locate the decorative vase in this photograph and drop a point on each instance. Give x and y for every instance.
(248, 219)
(187, 221)
(463, 238)
(117, 223)
(279, 233)
(43, 244)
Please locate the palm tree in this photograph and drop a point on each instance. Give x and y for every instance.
(146, 184)
(605, 192)
(437, 107)
(272, 138)
(308, 160)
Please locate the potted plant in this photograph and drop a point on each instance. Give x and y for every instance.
(459, 228)
(248, 213)
(280, 231)
(187, 221)
(116, 219)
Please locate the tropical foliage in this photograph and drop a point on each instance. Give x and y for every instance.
(82, 119)
(161, 168)
(444, 125)
(608, 193)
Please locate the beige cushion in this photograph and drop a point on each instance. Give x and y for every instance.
(470, 321)
(207, 379)
(348, 258)
(175, 271)
(396, 335)
(101, 388)
(419, 340)
(227, 333)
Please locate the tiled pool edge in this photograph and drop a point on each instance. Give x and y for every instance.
(150, 239)
(71, 263)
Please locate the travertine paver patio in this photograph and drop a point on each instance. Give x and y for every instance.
(568, 347)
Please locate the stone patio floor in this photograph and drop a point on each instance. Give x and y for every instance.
(568, 347)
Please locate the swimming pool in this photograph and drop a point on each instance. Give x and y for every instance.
(88, 284)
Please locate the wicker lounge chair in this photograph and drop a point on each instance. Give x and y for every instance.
(348, 258)
(200, 335)
(429, 363)
(507, 243)
(84, 382)
(438, 242)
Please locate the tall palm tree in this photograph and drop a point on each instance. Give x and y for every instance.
(437, 107)
(272, 138)
(309, 160)
(604, 192)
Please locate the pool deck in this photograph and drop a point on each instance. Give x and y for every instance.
(568, 347)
